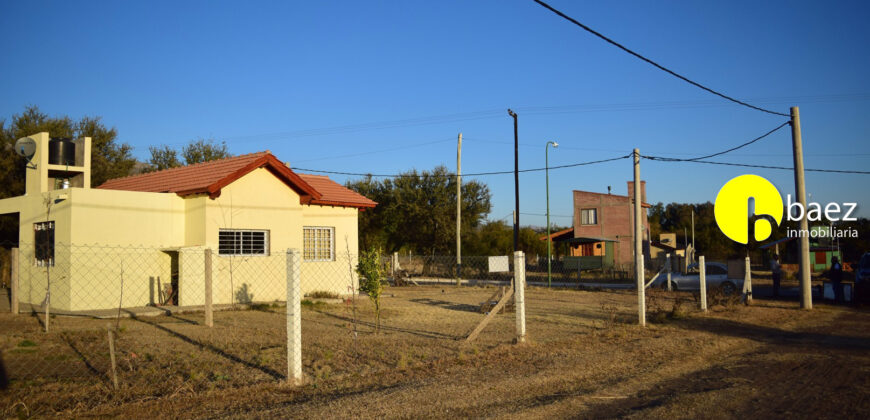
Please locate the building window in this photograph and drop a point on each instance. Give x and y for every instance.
(43, 241)
(244, 242)
(589, 217)
(318, 243)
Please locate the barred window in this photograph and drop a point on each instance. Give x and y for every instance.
(589, 217)
(243, 242)
(43, 240)
(318, 243)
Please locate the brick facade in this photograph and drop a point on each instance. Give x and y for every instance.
(614, 220)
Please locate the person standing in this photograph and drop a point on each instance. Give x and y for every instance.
(836, 277)
(776, 272)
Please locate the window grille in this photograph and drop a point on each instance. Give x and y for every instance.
(243, 242)
(43, 239)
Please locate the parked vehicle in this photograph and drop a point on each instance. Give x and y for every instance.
(861, 294)
(716, 275)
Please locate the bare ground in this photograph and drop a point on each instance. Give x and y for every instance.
(585, 358)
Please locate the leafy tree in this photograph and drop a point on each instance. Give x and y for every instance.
(497, 238)
(163, 157)
(197, 151)
(204, 150)
(417, 211)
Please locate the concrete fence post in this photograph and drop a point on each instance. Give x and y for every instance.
(394, 264)
(294, 317)
(13, 281)
(520, 294)
(703, 280)
(747, 283)
(209, 311)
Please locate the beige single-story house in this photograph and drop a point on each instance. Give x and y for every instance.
(248, 209)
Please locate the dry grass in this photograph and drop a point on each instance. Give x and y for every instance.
(585, 357)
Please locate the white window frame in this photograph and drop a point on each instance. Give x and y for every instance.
(594, 213)
(311, 255)
(242, 233)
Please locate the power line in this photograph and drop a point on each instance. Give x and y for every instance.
(411, 146)
(746, 165)
(666, 159)
(544, 214)
(572, 165)
(657, 65)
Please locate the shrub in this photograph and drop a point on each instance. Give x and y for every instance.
(323, 294)
(371, 273)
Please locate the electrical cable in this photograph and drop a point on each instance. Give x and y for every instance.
(657, 65)
(465, 174)
(666, 159)
(746, 165)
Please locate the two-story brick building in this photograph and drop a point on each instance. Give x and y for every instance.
(604, 226)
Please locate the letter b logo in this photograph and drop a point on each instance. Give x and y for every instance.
(731, 208)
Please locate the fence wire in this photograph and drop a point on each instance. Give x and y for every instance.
(154, 302)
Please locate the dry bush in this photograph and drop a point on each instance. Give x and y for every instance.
(718, 299)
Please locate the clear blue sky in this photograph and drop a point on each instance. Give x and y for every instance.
(385, 86)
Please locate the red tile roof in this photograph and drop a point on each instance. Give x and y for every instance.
(334, 194)
(210, 177)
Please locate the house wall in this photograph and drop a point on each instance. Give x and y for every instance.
(106, 237)
(337, 276)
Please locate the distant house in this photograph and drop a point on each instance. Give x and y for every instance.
(603, 230)
(246, 208)
(822, 249)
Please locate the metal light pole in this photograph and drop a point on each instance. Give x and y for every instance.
(516, 182)
(549, 239)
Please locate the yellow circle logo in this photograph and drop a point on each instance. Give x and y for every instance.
(732, 208)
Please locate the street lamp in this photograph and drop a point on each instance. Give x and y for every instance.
(549, 239)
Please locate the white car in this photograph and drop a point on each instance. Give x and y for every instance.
(716, 275)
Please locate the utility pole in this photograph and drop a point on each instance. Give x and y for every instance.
(516, 183)
(458, 209)
(638, 246)
(801, 191)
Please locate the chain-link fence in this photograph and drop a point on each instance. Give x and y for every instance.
(194, 319)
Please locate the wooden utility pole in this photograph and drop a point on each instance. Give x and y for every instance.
(801, 191)
(638, 244)
(459, 209)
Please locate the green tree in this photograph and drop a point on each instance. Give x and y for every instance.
(417, 211)
(197, 151)
(204, 150)
(497, 238)
(163, 157)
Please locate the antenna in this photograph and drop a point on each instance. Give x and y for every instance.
(25, 147)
